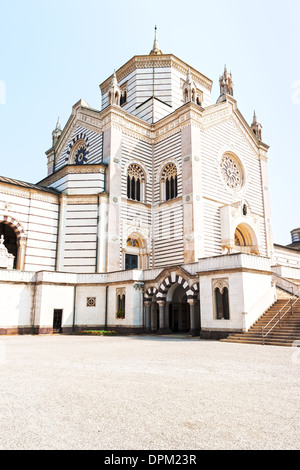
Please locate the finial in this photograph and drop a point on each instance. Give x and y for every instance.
(56, 133)
(58, 128)
(114, 80)
(156, 50)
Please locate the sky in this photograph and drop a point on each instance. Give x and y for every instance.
(54, 53)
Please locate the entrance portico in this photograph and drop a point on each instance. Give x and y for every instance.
(173, 304)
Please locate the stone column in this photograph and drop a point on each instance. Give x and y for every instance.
(147, 316)
(162, 318)
(194, 320)
(162, 306)
(21, 254)
(167, 315)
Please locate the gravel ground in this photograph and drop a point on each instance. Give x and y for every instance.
(146, 393)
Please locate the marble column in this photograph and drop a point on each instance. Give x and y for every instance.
(21, 254)
(194, 318)
(162, 318)
(147, 316)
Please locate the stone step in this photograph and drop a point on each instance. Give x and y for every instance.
(284, 333)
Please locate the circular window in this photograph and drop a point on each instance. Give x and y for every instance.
(81, 155)
(231, 172)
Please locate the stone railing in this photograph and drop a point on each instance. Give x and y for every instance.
(12, 275)
(232, 261)
(288, 272)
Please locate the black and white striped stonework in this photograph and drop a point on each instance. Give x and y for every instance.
(161, 293)
(93, 142)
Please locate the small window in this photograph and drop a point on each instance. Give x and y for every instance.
(123, 98)
(91, 301)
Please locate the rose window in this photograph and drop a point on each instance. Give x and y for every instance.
(231, 172)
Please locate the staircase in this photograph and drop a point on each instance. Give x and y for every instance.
(279, 329)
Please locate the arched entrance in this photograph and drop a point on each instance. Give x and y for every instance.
(14, 239)
(178, 309)
(173, 307)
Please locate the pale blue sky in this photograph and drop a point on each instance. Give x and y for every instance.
(55, 52)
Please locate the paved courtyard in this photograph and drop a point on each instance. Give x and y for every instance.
(146, 393)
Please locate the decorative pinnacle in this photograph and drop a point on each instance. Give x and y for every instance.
(114, 81)
(58, 128)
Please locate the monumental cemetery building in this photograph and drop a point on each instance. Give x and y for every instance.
(154, 215)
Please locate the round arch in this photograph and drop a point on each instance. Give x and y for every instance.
(245, 238)
(191, 291)
(21, 240)
(172, 306)
(135, 254)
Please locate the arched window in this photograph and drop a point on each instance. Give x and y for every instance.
(169, 188)
(14, 239)
(222, 303)
(135, 183)
(135, 253)
(245, 239)
(121, 300)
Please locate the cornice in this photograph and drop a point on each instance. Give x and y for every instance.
(12, 190)
(72, 169)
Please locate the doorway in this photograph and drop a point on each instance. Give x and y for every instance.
(179, 310)
(57, 321)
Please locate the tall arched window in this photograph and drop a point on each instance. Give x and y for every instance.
(169, 182)
(135, 183)
(222, 303)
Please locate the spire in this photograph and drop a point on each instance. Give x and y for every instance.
(56, 133)
(226, 85)
(58, 128)
(156, 50)
(114, 81)
(256, 127)
(188, 76)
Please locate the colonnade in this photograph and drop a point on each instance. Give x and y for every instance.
(164, 327)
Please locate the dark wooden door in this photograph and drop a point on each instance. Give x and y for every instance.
(57, 321)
